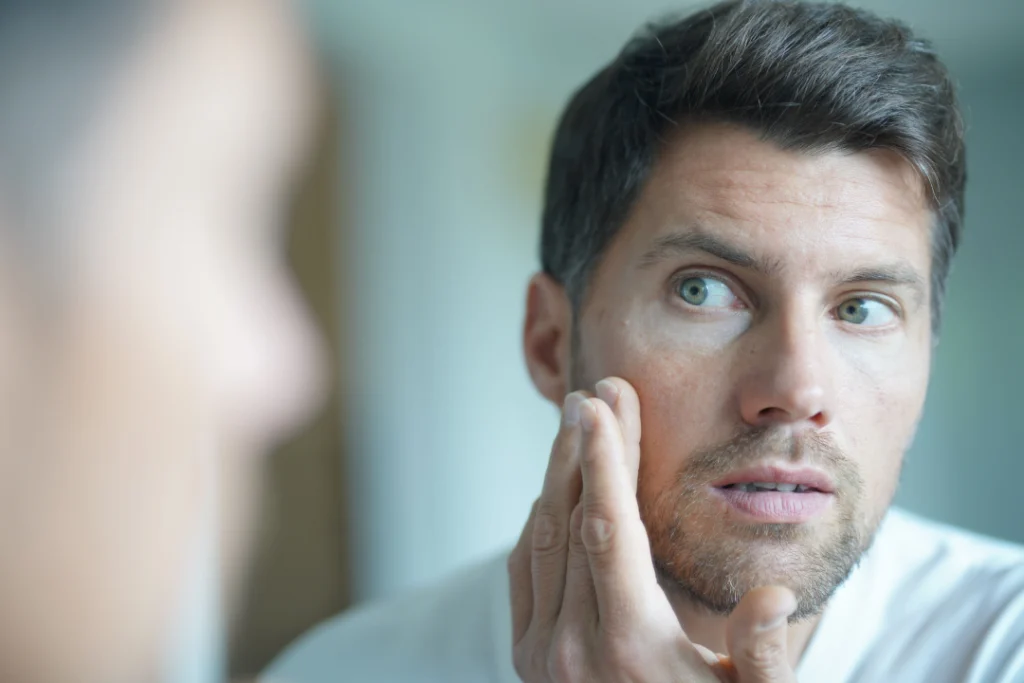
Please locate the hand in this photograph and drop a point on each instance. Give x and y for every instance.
(586, 604)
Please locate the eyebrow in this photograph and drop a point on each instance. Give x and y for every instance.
(680, 243)
(897, 273)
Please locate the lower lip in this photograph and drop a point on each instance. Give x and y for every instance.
(776, 507)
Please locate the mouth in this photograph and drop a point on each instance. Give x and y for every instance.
(776, 495)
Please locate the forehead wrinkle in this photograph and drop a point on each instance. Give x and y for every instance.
(742, 201)
(827, 180)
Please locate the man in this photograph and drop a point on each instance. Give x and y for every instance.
(152, 346)
(749, 219)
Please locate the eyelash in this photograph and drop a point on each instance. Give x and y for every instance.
(683, 275)
(740, 293)
(891, 304)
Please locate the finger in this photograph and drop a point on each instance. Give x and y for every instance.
(720, 665)
(560, 494)
(520, 580)
(579, 606)
(756, 636)
(613, 533)
(709, 657)
(622, 398)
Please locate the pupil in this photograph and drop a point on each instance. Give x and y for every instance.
(694, 291)
(855, 312)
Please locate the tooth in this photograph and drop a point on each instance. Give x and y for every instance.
(800, 488)
(769, 485)
(786, 488)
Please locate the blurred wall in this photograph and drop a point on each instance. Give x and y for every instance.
(968, 461)
(451, 104)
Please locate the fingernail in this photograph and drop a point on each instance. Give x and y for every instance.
(608, 392)
(571, 410)
(587, 415)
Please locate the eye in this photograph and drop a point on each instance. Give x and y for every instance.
(706, 292)
(866, 312)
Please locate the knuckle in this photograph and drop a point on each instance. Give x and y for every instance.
(522, 661)
(623, 653)
(529, 658)
(763, 654)
(564, 664)
(548, 530)
(597, 531)
(576, 530)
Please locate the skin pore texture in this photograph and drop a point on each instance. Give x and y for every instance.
(771, 308)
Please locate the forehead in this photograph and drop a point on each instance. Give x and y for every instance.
(784, 204)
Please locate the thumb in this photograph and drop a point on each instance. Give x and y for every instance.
(756, 636)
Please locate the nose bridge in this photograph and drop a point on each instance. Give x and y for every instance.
(788, 379)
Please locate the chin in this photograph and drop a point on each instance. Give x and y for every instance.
(715, 571)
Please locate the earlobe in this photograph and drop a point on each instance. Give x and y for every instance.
(547, 332)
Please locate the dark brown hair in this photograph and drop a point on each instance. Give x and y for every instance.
(811, 77)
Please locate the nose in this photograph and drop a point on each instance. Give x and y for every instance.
(786, 376)
(297, 365)
(278, 364)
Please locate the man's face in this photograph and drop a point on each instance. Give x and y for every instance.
(771, 309)
(179, 347)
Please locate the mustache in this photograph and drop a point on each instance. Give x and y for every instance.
(817, 449)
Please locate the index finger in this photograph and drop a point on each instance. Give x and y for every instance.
(622, 398)
(614, 535)
(559, 495)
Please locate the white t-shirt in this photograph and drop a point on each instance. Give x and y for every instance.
(928, 604)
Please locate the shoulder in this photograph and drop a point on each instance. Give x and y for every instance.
(916, 533)
(448, 632)
(953, 596)
(925, 567)
(923, 555)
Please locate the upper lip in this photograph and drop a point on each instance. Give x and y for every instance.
(808, 476)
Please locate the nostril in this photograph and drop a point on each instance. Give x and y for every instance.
(819, 419)
(772, 414)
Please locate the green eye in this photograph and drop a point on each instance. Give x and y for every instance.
(866, 313)
(704, 291)
(694, 290)
(854, 311)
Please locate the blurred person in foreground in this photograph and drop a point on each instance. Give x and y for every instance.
(152, 345)
(749, 220)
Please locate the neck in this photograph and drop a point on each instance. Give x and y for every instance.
(707, 629)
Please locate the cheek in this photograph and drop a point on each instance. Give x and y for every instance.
(683, 392)
(878, 415)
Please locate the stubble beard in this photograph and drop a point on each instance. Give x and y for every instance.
(705, 559)
(711, 561)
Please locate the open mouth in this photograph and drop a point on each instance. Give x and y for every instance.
(760, 486)
(776, 493)
(780, 478)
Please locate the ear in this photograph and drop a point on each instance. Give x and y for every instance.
(547, 336)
